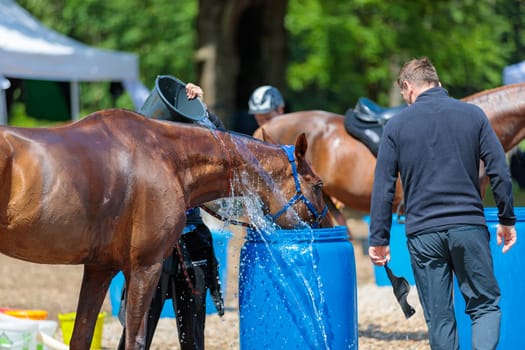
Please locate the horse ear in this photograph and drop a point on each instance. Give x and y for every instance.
(266, 137)
(301, 145)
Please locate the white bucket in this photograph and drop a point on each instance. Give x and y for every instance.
(21, 334)
(17, 334)
(49, 328)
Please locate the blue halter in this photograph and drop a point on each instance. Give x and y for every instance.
(299, 196)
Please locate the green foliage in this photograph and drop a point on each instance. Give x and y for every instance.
(355, 48)
(20, 118)
(518, 194)
(339, 50)
(161, 32)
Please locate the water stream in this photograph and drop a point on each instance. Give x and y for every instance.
(293, 262)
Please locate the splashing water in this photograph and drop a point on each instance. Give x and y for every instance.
(291, 268)
(294, 271)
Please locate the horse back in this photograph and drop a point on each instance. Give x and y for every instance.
(72, 194)
(505, 109)
(285, 128)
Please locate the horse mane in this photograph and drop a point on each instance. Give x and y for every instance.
(247, 137)
(226, 132)
(98, 116)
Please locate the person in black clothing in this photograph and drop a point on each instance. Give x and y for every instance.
(436, 145)
(187, 274)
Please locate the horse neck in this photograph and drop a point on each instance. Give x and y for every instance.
(223, 164)
(202, 164)
(255, 166)
(505, 109)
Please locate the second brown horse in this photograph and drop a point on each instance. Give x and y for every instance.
(347, 166)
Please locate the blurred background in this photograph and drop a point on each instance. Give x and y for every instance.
(320, 54)
(63, 59)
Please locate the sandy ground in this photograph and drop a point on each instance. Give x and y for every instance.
(55, 288)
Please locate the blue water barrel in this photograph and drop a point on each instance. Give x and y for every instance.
(400, 257)
(220, 244)
(508, 268)
(297, 290)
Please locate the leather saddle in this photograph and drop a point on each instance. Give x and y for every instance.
(367, 120)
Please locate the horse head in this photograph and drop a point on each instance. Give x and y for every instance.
(301, 188)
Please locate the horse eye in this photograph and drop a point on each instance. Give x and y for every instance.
(318, 187)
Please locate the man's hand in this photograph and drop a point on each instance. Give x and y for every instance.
(379, 255)
(507, 235)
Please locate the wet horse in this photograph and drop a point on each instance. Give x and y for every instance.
(347, 166)
(111, 190)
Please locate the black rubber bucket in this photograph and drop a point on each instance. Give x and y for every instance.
(168, 101)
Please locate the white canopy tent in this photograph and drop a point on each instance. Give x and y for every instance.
(29, 50)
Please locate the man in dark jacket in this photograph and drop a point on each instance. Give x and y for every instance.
(436, 145)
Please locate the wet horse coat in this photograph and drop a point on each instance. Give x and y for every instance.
(347, 166)
(110, 192)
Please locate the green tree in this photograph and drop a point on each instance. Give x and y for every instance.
(514, 11)
(345, 49)
(337, 50)
(161, 32)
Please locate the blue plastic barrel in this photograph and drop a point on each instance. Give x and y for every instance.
(220, 244)
(400, 257)
(509, 269)
(297, 290)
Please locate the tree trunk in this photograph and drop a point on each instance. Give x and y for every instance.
(242, 45)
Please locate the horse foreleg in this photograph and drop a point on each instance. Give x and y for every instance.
(484, 180)
(337, 216)
(140, 290)
(95, 284)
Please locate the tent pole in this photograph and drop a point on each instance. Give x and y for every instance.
(3, 107)
(75, 100)
(4, 85)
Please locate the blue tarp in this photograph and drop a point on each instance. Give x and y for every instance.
(514, 73)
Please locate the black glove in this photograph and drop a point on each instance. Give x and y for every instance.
(401, 288)
(214, 283)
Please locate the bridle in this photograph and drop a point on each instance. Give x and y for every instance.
(299, 196)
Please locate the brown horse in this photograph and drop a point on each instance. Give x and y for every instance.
(347, 166)
(110, 192)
